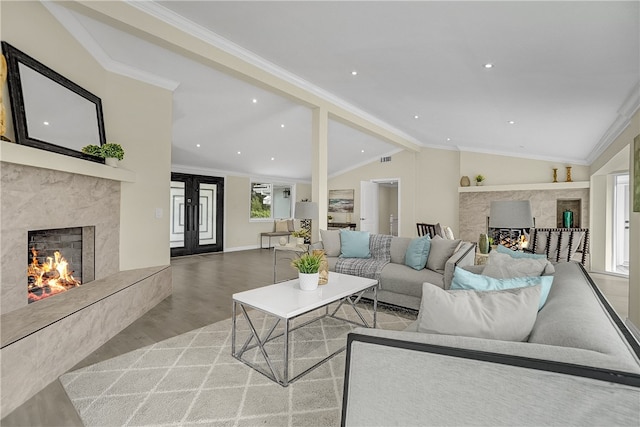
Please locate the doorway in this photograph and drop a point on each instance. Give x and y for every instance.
(380, 206)
(620, 233)
(196, 214)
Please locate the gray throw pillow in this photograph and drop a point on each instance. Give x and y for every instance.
(507, 315)
(331, 242)
(441, 250)
(503, 266)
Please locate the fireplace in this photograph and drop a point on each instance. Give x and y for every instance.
(59, 260)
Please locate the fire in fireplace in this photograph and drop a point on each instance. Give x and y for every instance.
(59, 260)
(49, 278)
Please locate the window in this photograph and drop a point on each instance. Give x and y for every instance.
(271, 200)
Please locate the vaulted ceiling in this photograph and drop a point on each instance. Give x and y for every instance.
(564, 78)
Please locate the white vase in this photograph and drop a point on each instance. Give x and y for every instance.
(308, 281)
(111, 161)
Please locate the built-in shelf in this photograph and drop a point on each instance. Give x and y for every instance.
(526, 187)
(29, 156)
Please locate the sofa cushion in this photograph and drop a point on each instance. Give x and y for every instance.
(418, 252)
(549, 269)
(330, 242)
(281, 226)
(401, 279)
(440, 251)
(517, 254)
(503, 266)
(507, 315)
(399, 247)
(354, 244)
(463, 279)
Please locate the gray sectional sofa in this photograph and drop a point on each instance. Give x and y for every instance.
(399, 284)
(580, 366)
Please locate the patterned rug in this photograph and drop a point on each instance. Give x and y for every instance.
(192, 379)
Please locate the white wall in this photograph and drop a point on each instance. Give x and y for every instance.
(514, 170)
(239, 231)
(623, 142)
(137, 115)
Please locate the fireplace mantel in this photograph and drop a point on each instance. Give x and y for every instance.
(526, 187)
(29, 156)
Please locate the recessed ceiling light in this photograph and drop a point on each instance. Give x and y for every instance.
(488, 65)
(45, 123)
(282, 125)
(511, 122)
(198, 145)
(448, 139)
(416, 116)
(273, 158)
(354, 73)
(255, 101)
(239, 152)
(362, 151)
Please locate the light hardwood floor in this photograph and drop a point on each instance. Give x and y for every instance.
(202, 290)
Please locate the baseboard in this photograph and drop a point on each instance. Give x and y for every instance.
(633, 328)
(241, 248)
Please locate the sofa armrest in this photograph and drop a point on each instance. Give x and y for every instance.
(463, 256)
(392, 381)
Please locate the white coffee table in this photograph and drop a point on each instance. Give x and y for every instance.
(284, 302)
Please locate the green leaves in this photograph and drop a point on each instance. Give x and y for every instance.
(307, 263)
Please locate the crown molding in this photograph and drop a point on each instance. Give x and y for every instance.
(625, 113)
(67, 19)
(169, 17)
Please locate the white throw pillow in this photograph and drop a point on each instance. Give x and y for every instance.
(503, 266)
(331, 242)
(507, 315)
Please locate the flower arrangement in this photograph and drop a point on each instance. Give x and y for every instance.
(301, 234)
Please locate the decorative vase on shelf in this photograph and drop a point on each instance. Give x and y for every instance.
(483, 244)
(465, 181)
(308, 281)
(111, 161)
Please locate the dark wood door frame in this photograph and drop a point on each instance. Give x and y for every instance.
(192, 214)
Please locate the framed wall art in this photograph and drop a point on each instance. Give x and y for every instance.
(341, 201)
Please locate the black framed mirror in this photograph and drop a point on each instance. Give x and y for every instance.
(51, 112)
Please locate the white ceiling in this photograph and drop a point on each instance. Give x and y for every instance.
(567, 73)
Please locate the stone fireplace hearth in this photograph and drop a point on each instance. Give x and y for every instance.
(43, 190)
(72, 200)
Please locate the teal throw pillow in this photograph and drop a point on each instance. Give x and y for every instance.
(418, 252)
(354, 244)
(517, 254)
(463, 279)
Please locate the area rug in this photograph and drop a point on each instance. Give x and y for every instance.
(192, 379)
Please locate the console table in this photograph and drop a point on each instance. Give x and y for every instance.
(339, 225)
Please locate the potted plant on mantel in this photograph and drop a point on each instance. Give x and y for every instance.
(110, 152)
(308, 265)
(479, 179)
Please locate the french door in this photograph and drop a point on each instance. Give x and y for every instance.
(196, 218)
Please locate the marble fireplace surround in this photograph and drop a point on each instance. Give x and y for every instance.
(474, 204)
(41, 341)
